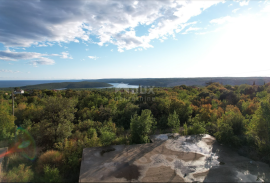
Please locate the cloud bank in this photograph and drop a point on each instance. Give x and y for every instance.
(35, 58)
(44, 23)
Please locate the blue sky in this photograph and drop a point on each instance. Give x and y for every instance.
(133, 39)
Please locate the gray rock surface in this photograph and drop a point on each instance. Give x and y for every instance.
(173, 159)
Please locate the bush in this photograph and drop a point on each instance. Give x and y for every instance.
(51, 174)
(52, 158)
(120, 140)
(21, 173)
(107, 137)
(162, 122)
(234, 119)
(197, 128)
(72, 151)
(225, 133)
(185, 131)
(14, 160)
(174, 122)
(142, 126)
(91, 133)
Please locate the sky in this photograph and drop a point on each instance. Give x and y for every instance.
(93, 39)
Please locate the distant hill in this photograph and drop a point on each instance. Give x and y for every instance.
(69, 85)
(170, 82)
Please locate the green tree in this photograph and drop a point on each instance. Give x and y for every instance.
(197, 126)
(231, 126)
(56, 122)
(142, 126)
(261, 122)
(182, 108)
(7, 125)
(174, 122)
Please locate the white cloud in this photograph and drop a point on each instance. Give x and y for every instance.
(66, 55)
(42, 61)
(230, 5)
(110, 21)
(222, 20)
(33, 57)
(93, 57)
(235, 10)
(14, 56)
(266, 9)
(207, 32)
(111, 49)
(191, 29)
(42, 45)
(9, 71)
(244, 2)
(50, 44)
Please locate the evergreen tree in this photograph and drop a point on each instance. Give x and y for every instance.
(174, 122)
(56, 122)
(142, 126)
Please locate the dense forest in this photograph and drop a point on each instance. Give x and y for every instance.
(62, 123)
(67, 85)
(200, 81)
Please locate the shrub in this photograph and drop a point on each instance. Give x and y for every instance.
(185, 131)
(142, 126)
(91, 133)
(53, 158)
(225, 133)
(120, 140)
(107, 137)
(51, 174)
(234, 119)
(21, 173)
(197, 128)
(174, 122)
(72, 151)
(14, 160)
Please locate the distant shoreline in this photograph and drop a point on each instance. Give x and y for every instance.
(156, 82)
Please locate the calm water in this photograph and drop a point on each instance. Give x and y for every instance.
(19, 83)
(122, 85)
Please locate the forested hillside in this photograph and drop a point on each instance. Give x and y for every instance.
(200, 81)
(69, 85)
(62, 123)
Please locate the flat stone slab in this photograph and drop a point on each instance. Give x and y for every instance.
(174, 159)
